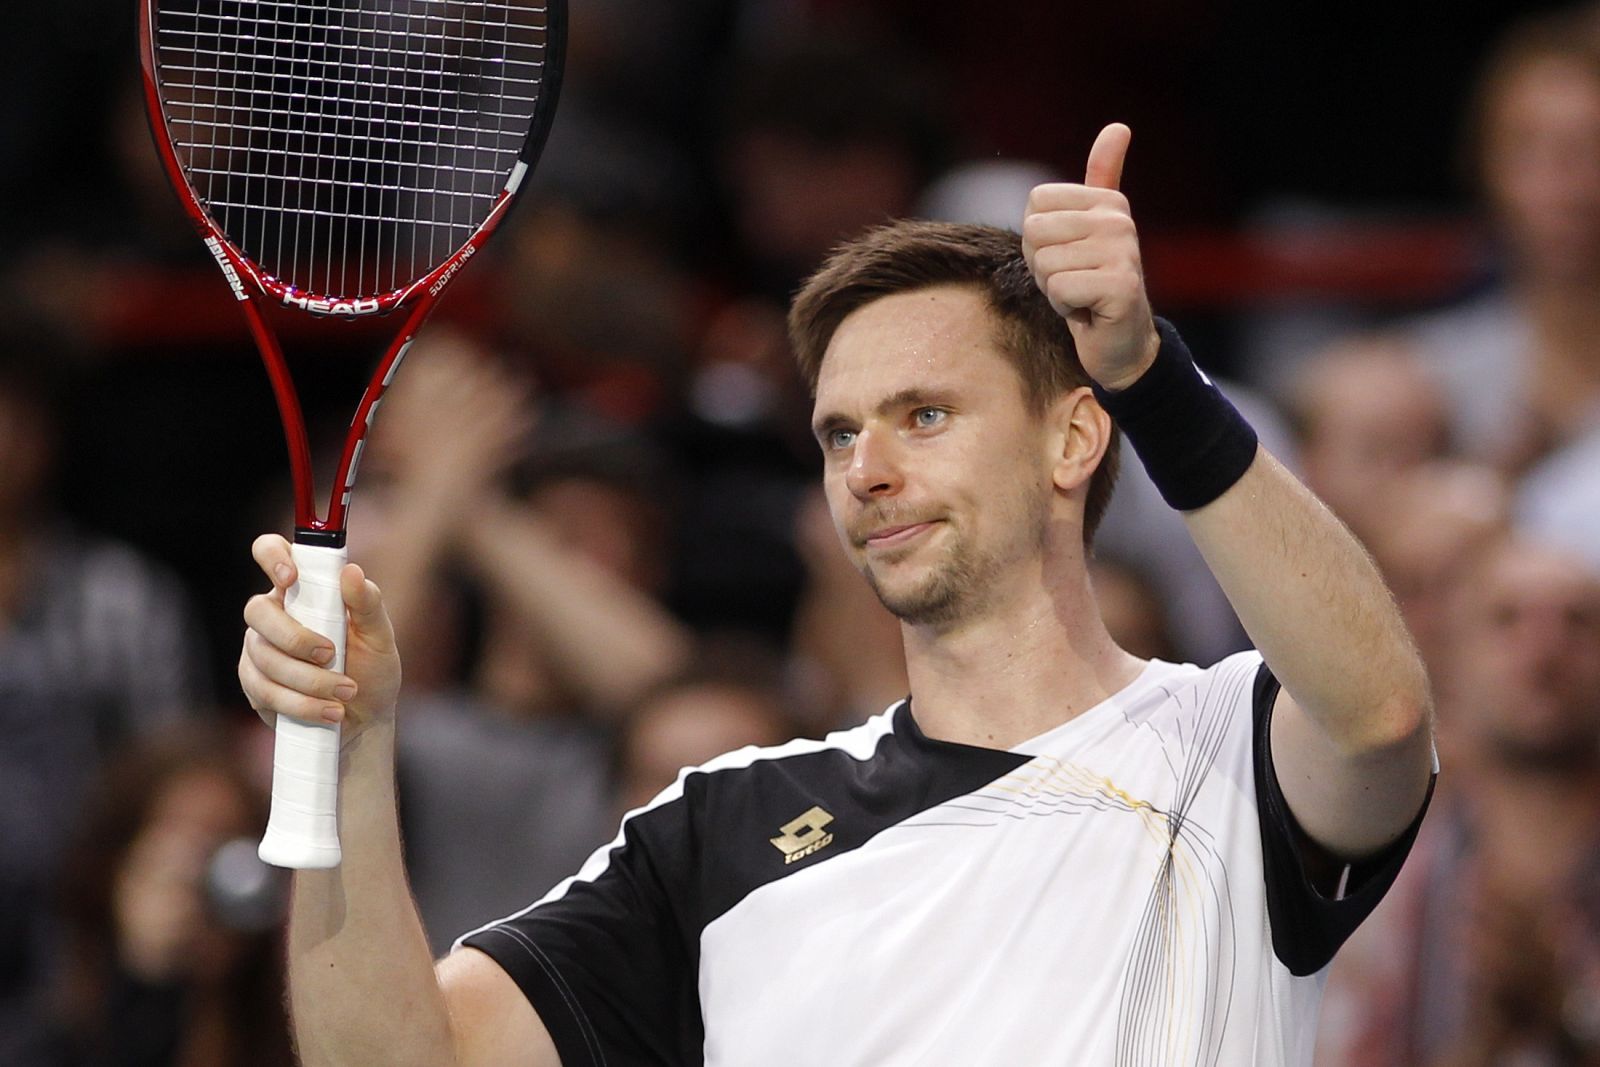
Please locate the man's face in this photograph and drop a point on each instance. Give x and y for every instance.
(1528, 653)
(1542, 167)
(937, 474)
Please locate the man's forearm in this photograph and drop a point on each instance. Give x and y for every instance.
(1312, 601)
(407, 558)
(610, 641)
(361, 982)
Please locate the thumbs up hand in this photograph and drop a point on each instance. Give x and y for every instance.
(1080, 243)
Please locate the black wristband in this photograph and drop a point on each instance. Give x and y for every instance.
(1193, 443)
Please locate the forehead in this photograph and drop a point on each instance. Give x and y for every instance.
(1533, 574)
(940, 337)
(1549, 83)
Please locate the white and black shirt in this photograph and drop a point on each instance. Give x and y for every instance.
(1125, 889)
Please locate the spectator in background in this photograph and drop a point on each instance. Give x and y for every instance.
(634, 103)
(1430, 524)
(1367, 412)
(122, 220)
(593, 299)
(506, 775)
(1559, 499)
(571, 621)
(97, 649)
(1489, 951)
(1521, 365)
(728, 699)
(826, 135)
(160, 965)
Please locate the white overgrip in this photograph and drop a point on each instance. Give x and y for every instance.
(303, 829)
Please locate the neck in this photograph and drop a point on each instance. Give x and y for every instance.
(1536, 826)
(1516, 783)
(1563, 375)
(1564, 313)
(1565, 318)
(1037, 658)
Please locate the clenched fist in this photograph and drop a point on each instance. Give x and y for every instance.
(1083, 249)
(283, 667)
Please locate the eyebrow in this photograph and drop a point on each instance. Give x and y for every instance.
(912, 397)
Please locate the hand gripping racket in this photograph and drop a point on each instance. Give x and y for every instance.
(345, 158)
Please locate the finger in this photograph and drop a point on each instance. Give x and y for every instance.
(1111, 232)
(271, 699)
(265, 614)
(251, 683)
(1092, 290)
(1071, 196)
(272, 554)
(1106, 157)
(297, 674)
(1045, 228)
(1074, 256)
(368, 616)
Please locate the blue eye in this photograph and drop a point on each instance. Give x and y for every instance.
(841, 438)
(926, 417)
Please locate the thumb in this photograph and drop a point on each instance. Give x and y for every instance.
(365, 604)
(1106, 157)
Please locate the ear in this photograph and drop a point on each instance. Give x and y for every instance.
(1080, 431)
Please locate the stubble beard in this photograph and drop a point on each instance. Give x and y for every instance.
(1559, 754)
(943, 595)
(957, 586)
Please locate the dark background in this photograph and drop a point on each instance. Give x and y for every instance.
(1240, 109)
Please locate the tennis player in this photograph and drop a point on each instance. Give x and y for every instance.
(1052, 852)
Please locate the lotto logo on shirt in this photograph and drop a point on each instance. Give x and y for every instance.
(804, 835)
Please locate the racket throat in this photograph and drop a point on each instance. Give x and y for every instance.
(305, 535)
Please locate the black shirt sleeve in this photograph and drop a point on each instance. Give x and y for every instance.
(607, 964)
(1308, 925)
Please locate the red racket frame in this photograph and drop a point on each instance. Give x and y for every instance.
(416, 300)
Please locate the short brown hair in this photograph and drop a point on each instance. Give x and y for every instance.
(1570, 37)
(908, 255)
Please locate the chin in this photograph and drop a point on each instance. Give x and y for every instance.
(932, 599)
(1547, 751)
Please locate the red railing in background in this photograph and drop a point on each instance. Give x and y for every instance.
(1383, 263)
(1392, 264)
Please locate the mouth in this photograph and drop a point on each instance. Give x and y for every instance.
(893, 536)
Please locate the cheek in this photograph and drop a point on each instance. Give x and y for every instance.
(835, 492)
(1018, 477)
(1582, 654)
(841, 504)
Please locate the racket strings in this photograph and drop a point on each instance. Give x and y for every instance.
(348, 147)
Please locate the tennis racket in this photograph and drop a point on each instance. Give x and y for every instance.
(345, 158)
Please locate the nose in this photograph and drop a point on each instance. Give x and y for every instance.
(1542, 639)
(874, 467)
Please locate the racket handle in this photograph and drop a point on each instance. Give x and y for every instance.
(303, 829)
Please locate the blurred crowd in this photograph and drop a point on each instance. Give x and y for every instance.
(591, 502)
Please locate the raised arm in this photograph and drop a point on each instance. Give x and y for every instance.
(451, 425)
(1351, 738)
(607, 640)
(362, 988)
